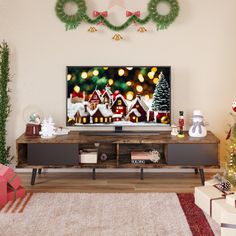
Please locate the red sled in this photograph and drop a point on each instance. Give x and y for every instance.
(10, 176)
(3, 192)
(13, 194)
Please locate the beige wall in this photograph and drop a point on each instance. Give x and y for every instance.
(200, 46)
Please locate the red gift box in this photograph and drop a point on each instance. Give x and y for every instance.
(12, 179)
(13, 194)
(3, 192)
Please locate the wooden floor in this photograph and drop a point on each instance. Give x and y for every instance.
(113, 182)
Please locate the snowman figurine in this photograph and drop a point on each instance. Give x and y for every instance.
(198, 128)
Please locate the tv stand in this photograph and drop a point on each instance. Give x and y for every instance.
(63, 151)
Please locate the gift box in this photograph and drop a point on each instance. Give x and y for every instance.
(3, 192)
(227, 218)
(12, 179)
(88, 157)
(211, 182)
(205, 196)
(231, 199)
(13, 194)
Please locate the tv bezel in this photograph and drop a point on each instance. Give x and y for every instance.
(117, 126)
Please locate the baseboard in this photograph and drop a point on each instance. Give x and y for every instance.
(118, 171)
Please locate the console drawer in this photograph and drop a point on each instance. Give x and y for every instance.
(192, 154)
(53, 154)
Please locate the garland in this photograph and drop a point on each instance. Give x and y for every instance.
(73, 21)
(4, 102)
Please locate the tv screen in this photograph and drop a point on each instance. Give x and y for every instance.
(118, 96)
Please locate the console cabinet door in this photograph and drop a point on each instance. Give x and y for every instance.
(192, 154)
(53, 154)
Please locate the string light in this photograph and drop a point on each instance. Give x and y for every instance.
(154, 69)
(129, 83)
(69, 77)
(105, 68)
(140, 77)
(110, 82)
(129, 68)
(151, 74)
(130, 95)
(77, 89)
(139, 88)
(95, 72)
(84, 75)
(155, 80)
(121, 72)
(147, 97)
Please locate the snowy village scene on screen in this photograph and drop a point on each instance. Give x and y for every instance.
(118, 96)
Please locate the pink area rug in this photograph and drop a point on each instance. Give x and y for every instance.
(105, 214)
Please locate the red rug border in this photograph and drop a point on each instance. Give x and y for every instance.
(196, 218)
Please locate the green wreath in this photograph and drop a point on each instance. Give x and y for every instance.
(71, 21)
(163, 21)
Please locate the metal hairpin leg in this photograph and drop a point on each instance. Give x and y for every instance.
(141, 174)
(34, 173)
(201, 171)
(94, 173)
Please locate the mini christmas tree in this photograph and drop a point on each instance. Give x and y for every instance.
(48, 128)
(230, 170)
(161, 96)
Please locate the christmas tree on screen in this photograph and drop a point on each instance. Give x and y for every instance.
(161, 96)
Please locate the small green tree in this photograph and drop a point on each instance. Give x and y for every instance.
(161, 96)
(4, 102)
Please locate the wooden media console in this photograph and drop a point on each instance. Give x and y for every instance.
(63, 151)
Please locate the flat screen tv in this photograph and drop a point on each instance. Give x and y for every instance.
(118, 96)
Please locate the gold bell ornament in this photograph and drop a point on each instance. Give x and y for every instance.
(117, 37)
(92, 29)
(142, 29)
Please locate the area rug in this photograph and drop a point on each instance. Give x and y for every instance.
(102, 214)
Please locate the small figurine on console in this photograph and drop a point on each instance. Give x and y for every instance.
(181, 124)
(198, 128)
(33, 126)
(174, 130)
(48, 128)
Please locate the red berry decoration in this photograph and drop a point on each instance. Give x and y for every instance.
(234, 106)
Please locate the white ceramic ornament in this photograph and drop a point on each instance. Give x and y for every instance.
(174, 130)
(198, 128)
(47, 128)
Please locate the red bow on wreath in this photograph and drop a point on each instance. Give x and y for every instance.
(136, 13)
(102, 13)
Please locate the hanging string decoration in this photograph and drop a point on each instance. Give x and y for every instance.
(73, 21)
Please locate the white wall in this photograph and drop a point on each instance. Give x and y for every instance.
(200, 46)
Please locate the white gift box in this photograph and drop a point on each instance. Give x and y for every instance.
(228, 220)
(231, 199)
(205, 196)
(211, 201)
(211, 182)
(89, 158)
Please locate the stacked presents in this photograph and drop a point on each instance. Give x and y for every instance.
(10, 186)
(220, 204)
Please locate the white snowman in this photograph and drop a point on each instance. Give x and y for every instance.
(198, 128)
